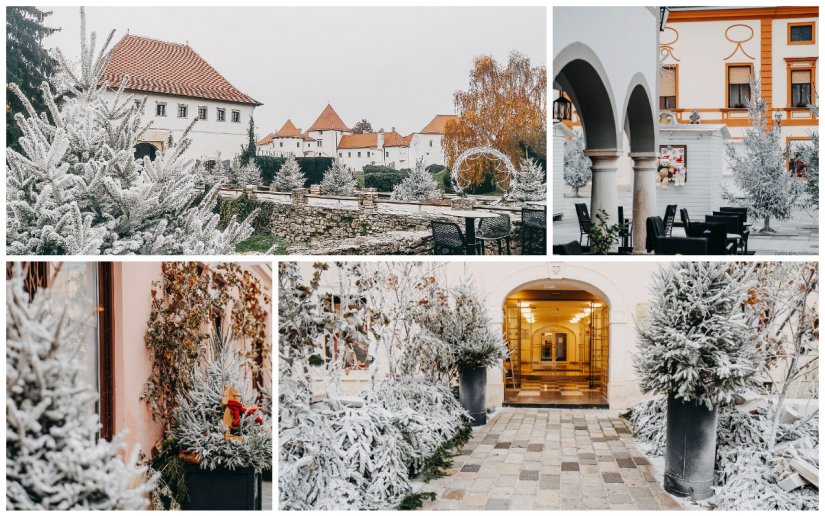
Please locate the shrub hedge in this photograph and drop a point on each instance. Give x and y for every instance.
(241, 207)
(382, 178)
(313, 168)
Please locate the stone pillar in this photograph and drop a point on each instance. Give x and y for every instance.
(315, 189)
(251, 191)
(604, 194)
(462, 203)
(366, 200)
(299, 196)
(644, 196)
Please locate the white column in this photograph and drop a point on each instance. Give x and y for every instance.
(604, 193)
(644, 196)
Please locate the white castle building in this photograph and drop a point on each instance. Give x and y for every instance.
(179, 87)
(330, 136)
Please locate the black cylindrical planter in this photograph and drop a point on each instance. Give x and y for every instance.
(472, 388)
(222, 489)
(690, 455)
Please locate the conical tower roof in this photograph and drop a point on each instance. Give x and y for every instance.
(329, 121)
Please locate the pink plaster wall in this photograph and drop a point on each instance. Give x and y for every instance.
(132, 366)
(132, 285)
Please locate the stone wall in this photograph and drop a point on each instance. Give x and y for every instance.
(365, 225)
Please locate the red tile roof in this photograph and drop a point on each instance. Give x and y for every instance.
(370, 140)
(359, 141)
(266, 139)
(288, 131)
(437, 124)
(161, 67)
(329, 120)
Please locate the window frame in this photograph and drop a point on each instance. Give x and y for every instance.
(205, 110)
(728, 66)
(812, 41)
(158, 106)
(220, 114)
(238, 113)
(811, 67)
(185, 109)
(675, 68)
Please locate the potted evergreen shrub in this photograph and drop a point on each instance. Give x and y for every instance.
(466, 328)
(694, 348)
(225, 441)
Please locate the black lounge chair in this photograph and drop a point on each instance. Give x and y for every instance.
(533, 231)
(681, 245)
(448, 238)
(585, 224)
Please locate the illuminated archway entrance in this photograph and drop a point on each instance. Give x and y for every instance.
(559, 346)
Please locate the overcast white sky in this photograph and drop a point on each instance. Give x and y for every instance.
(394, 66)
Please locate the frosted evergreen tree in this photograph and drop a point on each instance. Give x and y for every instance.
(694, 342)
(576, 165)
(242, 174)
(289, 176)
(54, 459)
(419, 185)
(465, 326)
(759, 172)
(76, 187)
(338, 180)
(809, 154)
(198, 425)
(528, 182)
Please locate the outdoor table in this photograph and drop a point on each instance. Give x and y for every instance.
(469, 217)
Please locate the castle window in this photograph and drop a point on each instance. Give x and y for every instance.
(236, 115)
(667, 88)
(739, 86)
(221, 115)
(183, 111)
(202, 112)
(801, 33)
(160, 109)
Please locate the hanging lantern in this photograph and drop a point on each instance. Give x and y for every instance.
(562, 108)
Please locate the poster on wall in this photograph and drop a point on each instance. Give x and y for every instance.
(672, 168)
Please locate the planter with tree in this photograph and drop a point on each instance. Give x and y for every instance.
(465, 326)
(694, 348)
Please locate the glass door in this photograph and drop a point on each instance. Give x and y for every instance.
(512, 332)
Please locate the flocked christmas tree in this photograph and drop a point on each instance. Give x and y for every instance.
(576, 165)
(242, 174)
(759, 171)
(694, 343)
(289, 176)
(419, 185)
(198, 425)
(809, 154)
(76, 187)
(54, 458)
(338, 180)
(528, 182)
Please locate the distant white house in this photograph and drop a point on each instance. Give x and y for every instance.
(180, 86)
(330, 136)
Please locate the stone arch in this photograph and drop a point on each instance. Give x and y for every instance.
(580, 73)
(639, 119)
(144, 149)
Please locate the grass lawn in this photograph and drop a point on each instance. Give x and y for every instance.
(261, 244)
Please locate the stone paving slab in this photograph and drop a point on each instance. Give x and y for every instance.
(557, 459)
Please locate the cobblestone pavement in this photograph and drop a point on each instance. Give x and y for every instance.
(532, 458)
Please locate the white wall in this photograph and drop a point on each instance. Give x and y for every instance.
(328, 142)
(283, 147)
(208, 136)
(429, 147)
(368, 156)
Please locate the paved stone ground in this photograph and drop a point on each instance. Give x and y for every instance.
(800, 235)
(266, 502)
(531, 458)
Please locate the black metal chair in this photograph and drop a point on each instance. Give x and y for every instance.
(585, 224)
(533, 231)
(731, 226)
(625, 233)
(744, 228)
(716, 234)
(670, 217)
(655, 228)
(681, 245)
(494, 230)
(448, 238)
